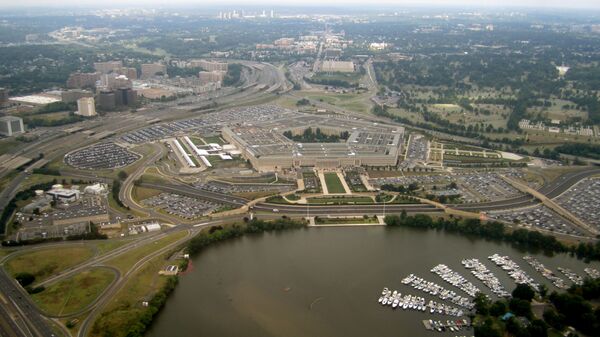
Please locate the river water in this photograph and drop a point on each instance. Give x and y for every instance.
(325, 282)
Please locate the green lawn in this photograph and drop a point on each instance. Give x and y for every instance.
(125, 310)
(75, 293)
(340, 200)
(328, 221)
(47, 262)
(334, 185)
(126, 261)
(214, 140)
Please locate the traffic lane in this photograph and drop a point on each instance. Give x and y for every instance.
(194, 192)
(8, 327)
(324, 210)
(27, 310)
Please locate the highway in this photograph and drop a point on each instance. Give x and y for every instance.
(18, 308)
(195, 192)
(551, 190)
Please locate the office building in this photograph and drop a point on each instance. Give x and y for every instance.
(106, 100)
(130, 73)
(115, 81)
(82, 80)
(70, 96)
(211, 77)
(153, 69)
(86, 107)
(108, 67)
(125, 96)
(209, 65)
(11, 125)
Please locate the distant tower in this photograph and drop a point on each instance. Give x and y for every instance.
(272, 14)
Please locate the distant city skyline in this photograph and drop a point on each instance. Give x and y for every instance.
(313, 3)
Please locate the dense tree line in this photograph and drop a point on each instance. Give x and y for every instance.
(233, 75)
(580, 149)
(33, 122)
(497, 231)
(218, 233)
(183, 72)
(141, 319)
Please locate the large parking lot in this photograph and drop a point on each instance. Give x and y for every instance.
(101, 156)
(538, 216)
(181, 206)
(583, 201)
(227, 188)
(473, 186)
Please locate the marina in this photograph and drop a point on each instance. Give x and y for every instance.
(513, 270)
(576, 279)
(437, 290)
(547, 273)
(455, 279)
(394, 299)
(441, 326)
(480, 271)
(593, 273)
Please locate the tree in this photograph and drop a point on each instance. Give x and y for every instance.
(543, 290)
(554, 319)
(523, 292)
(25, 278)
(122, 175)
(498, 308)
(487, 329)
(538, 328)
(482, 304)
(520, 307)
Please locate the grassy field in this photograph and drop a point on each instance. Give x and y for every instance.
(218, 163)
(71, 295)
(334, 185)
(214, 140)
(327, 221)
(197, 141)
(47, 262)
(105, 246)
(254, 195)
(125, 262)
(354, 102)
(124, 309)
(141, 193)
(348, 77)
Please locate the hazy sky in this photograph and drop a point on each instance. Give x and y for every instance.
(280, 3)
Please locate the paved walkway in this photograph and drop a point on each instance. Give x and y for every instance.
(344, 183)
(323, 183)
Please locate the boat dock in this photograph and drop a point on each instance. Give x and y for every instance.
(448, 325)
